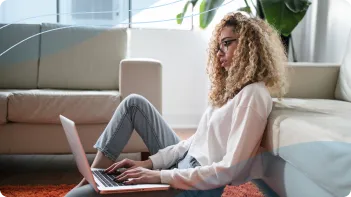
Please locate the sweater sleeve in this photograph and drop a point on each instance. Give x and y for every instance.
(245, 135)
(166, 157)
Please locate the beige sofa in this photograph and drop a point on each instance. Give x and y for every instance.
(308, 135)
(82, 73)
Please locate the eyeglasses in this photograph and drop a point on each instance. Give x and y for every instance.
(223, 47)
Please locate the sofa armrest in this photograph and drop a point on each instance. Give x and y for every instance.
(4, 95)
(143, 77)
(312, 80)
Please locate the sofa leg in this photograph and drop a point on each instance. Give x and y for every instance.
(145, 156)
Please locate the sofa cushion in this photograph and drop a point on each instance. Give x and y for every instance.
(45, 106)
(19, 65)
(3, 105)
(343, 87)
(320, 77)
(306, 111)
(81, 57)
(314, 136)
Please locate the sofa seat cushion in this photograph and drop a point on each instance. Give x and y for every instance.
(45, 106)
(308, 111)
(4, 94)
(314, 136)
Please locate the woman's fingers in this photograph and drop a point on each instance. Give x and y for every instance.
(124, 173)
(124, 163)
(113, 167)
(139, 175)
(137, 170)
(134, 181)
(127, 176)
(109, 168)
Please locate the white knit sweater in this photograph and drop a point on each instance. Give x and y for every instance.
(226, 144)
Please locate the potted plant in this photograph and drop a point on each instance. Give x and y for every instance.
(283, 15)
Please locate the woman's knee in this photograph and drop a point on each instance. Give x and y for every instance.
(135, 99)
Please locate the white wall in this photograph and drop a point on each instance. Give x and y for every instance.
(14, 10)
(183, 57)
(337, 26)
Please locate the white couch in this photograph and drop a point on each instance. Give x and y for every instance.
(308, 135)
(82, 73)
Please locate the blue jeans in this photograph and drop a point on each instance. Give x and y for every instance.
(136, 112)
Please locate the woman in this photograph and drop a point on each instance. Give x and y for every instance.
(246, 64)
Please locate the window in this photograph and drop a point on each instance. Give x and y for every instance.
(28, 11)
(125, 13)
(93, 6)
(2, 13)
(93, 12)
(159, 14)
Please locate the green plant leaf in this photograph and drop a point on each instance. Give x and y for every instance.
(207, 16)
(245, 9)
(193, 2)
(281, 17)
(179, 18)
(181, 15)
(297, 5)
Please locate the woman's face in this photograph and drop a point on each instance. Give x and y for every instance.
(228, 41)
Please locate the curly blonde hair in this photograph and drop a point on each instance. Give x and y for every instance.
(259, 56)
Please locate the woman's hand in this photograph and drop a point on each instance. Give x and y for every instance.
(130, 164)
(139, 175)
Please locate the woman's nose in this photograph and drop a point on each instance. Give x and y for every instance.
(219, 53)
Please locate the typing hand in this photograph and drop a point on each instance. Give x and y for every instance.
(127, 164)
(139, 175)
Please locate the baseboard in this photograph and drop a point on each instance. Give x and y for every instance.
(185, 129)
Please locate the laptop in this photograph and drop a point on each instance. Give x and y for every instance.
(102, 183)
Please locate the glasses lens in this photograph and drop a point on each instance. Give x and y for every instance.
(220, 48)
(225, 49)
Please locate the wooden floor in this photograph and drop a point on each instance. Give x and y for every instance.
(42, 169)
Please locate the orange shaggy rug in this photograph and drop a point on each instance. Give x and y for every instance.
(245, 190)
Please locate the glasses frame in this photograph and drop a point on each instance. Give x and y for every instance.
(225, 44)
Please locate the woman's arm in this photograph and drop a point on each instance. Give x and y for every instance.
(243, 142)
(166, 157)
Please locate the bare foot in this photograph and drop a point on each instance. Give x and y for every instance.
(82, 182)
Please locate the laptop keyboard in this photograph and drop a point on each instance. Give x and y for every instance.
(106, 179)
